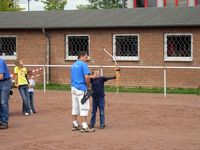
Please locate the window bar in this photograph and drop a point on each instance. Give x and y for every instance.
(196, 3)
(134, 4)
(176, 3)
(145, 3)
(165, 3)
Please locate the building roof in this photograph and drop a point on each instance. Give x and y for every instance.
(109, 18)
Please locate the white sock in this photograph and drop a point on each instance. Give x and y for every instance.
(75, 122)
(84, 125)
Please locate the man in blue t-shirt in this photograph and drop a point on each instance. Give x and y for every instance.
(80, 82)
(5, 86)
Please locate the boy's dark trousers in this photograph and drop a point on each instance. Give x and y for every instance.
(98, 103)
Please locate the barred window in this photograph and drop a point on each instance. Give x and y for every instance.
(198, 3)
(170, 3)
(126, 47)
(178, 47)
(8, 47)
(139, 3)
(152, 3)
(183, 3)
(76, 44)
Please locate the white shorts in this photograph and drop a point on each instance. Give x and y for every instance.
(77, 107)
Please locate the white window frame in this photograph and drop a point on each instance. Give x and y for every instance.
(126, 58)
(166, 58)
(67, 47)
(13, 57)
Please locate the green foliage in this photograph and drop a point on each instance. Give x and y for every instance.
(56, 86)
(101, 4)
(54, 4)
(9, 5)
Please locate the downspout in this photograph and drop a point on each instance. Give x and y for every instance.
(47, 53)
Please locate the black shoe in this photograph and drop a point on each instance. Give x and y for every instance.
(102, 127)
(4, 126)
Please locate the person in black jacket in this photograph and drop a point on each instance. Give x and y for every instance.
(98, 97)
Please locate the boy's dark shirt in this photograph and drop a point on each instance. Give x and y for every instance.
(98, 86)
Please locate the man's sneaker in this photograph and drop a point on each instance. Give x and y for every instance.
(87, 130)
(74, 128)
(4, 126)
(102, 127)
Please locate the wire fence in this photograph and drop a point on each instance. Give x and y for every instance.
(160, 71)
(7, 45)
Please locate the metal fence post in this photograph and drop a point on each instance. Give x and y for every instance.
(165, 83)
(101, 69)
(44, 79)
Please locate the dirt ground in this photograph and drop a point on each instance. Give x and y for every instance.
(134, 122)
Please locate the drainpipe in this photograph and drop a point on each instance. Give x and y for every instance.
(48, 54)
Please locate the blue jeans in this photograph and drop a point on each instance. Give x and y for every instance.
(26, 108)
(98, 103)
(5, 87)
(31, 97)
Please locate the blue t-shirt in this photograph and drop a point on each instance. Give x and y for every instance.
(78, 71)
(4, 69)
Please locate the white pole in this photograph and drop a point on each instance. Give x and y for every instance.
(165, 83)
(44, 79)
(28, 5)
(101, 70)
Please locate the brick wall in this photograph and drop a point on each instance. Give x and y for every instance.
(31, 46)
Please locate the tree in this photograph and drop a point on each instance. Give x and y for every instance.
(54, 4)
(101, 4)
(9, 5)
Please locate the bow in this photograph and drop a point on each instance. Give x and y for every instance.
(117, 70)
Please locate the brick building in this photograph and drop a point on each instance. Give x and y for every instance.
(136, 37)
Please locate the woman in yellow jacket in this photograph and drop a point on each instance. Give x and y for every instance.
(22, 83)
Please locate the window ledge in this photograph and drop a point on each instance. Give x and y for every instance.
(179, 59)
(8, 57)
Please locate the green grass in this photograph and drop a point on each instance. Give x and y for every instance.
(55, 86)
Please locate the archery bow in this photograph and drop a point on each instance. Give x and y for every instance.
(117, 70)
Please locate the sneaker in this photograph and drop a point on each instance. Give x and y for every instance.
(91, 126)
(26, 114)
(102, 127)
(4, 126)
(74, 128)
(87, 130)
(31, 112)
